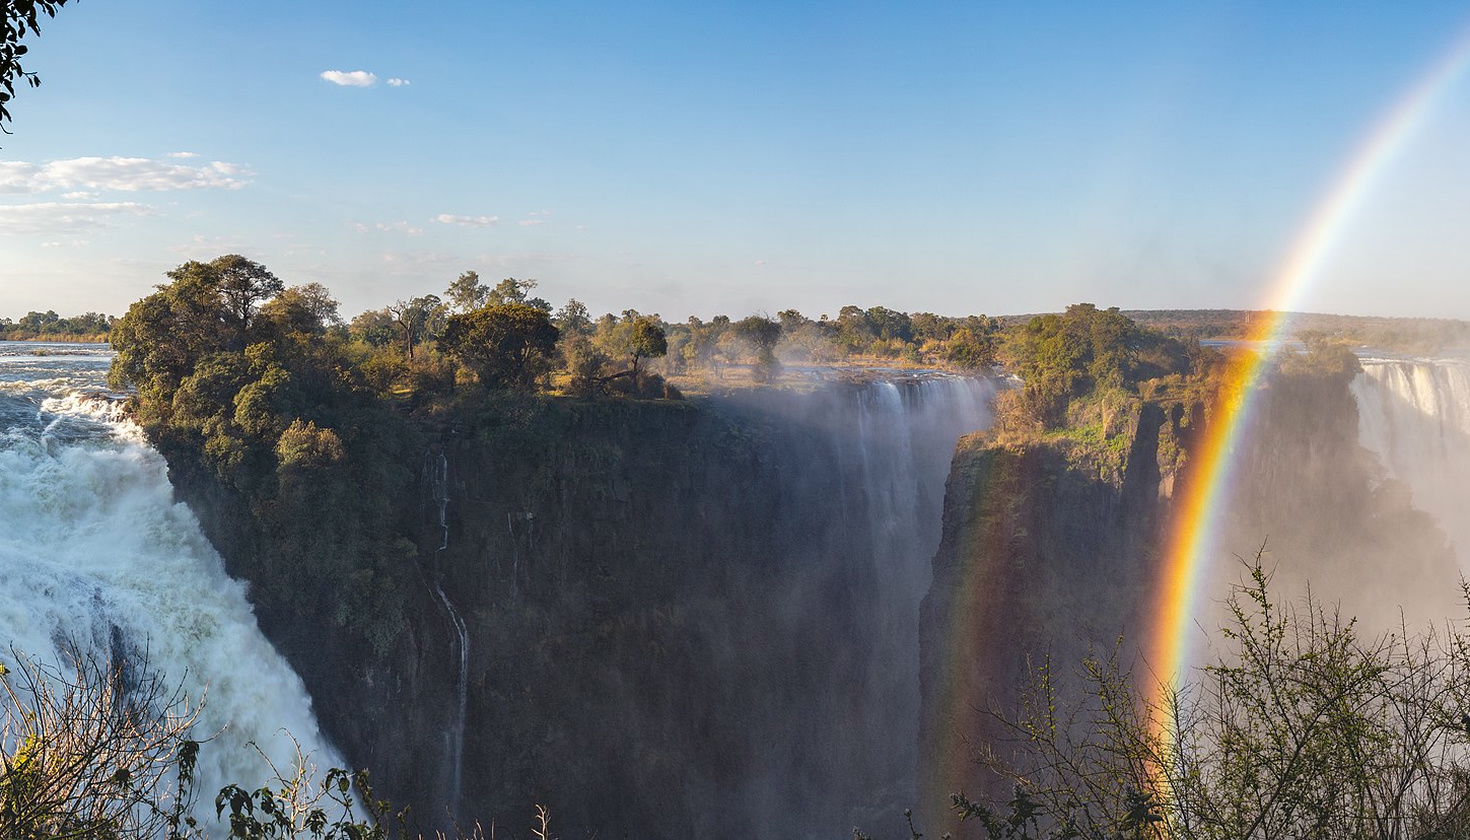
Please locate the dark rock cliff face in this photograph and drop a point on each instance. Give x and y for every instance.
(1043, 557)
(683, 620)
(1040, 556)
(700, 621)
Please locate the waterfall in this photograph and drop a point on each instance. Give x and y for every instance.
(97, 557)
(1415, 415)
(864, 467)
(439, 486)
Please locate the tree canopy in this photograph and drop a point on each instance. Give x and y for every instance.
(507, 345)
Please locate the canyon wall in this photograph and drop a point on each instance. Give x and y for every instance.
(1045, 557)
(679, 619)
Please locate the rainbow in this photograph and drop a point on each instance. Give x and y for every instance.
(1190, 547)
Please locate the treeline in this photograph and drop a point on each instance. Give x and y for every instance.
(509, 337)
(92, 326)
(231, 328)
(1408, 335)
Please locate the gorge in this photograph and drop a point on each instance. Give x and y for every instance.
(696, 618)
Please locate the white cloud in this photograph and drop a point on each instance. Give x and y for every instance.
(529, 222)
(203, 247)
(389, 227)
(354, 78)
(395, 82)
(525, 259)
(79, 195)
(117, 173)
(183, 154)
(469, 221)
(759, 263)
(415, 259)
(52, 218)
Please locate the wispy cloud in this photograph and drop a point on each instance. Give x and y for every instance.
(53, 218)
(530, 222)
(183, 154)
(117, 173)
(389, 227)
(350, 78)
(203, 247)
(524, 259)
(413, 259)
(396, 82)
(468, 221)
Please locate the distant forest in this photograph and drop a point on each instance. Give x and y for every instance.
(49, 326)
(875, 335)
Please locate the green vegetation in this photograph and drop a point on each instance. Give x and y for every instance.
(107, 751)
(248, 385)
(48, 326)
(1300, 727)
(506, 345)
(21, 18)
(1405, 335)
(1086, 374)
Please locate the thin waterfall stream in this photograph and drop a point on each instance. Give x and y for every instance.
(439, 483)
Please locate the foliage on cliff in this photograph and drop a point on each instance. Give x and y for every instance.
(1085, 376)
(1302, 725)
(242, 383)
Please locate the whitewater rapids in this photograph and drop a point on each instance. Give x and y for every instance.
(96, 555)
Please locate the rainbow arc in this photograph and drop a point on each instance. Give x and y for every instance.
(1191, 546)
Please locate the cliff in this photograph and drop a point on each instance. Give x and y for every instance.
(1045, 556)
(683, 619)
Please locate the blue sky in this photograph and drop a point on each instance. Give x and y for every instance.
(736, 157)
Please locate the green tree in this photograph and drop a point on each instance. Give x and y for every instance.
(574, 318)
(762, 333)
(417, 320)
(21, 18)
(374, 327)
(308, 308)
(511, 290)
(1300, 728)
(244, 285)
(640, 338)
(162, 337)
(467, 293)
(507, 345)
(584, 363)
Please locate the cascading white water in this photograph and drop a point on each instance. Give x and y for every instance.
(858, 472)
(1415, 415)
(906, 431)
(95, 554)
(439, 485)
(906, 436)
